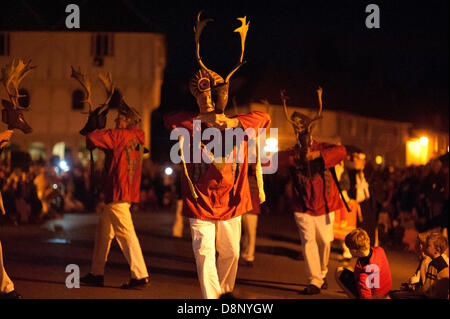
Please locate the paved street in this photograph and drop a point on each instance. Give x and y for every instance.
(36, 258)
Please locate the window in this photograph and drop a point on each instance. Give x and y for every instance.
(77, 100)
(4, 43)
(102, 45)
(24, 101)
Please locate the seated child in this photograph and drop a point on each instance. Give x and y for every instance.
(436, 279)
(416, 281)
(372, 275)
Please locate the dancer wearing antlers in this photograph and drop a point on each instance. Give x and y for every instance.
(218, 193)
(12, 76)
(316, 194)
(123, 147)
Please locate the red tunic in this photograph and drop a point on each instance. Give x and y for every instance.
(317, 198)
(122, 162)
(378, 258)
(221, 196)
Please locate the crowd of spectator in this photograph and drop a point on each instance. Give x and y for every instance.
(410, 200)
(40, 190)
(407, 200)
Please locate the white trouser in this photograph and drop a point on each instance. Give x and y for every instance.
(115, 221)
(316, 235)
(216, 278)
(177, 228)
(6, 285)
(249, 226)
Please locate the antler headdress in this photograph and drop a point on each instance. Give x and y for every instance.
(97, 117)
(12, 76)
(302, 123)
(205, 80)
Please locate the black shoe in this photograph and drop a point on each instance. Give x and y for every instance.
(11, 295)
(136, 283)
(325, 284)
(92, 280)
(311, 290)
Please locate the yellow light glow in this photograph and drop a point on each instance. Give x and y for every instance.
(379, 159)
(423, 141)
(417, 153)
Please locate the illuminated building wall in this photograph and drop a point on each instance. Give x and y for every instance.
(385, 142)
(135, 60)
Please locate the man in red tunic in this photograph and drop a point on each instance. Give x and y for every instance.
(315, 195)
(122, 147)
(220, 195)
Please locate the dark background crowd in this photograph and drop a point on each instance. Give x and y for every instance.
(406, 200)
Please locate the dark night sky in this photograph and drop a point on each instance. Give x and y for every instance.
(397, 72)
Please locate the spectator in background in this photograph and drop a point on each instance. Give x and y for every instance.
(434, 284)
(250, 221)
(7, 290)
(360, 191)
(345, 221)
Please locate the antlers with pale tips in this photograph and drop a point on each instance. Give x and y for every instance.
(307, 121)
(85, 82)
(242, 30)
(12, 76)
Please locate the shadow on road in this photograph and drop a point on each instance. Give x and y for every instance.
(270, 284)
(279, 237)
(280, 251)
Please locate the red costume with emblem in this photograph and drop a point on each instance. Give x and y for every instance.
(320, 194)
(221, 195)
(122, 162)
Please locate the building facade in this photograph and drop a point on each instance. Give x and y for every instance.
(385, 142)
(136, 62)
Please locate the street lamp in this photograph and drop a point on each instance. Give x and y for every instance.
(423, 141)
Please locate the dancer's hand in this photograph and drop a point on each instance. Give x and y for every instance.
(220, 121)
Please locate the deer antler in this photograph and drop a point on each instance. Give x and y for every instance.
(283, 99)
(12, 75)
(243, 29)
(85, 83)
(109, 86)
(319, 113)
(199, 26)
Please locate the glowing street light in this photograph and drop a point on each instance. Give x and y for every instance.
(63, 166)
(168, 171)
(423, 141)
(379, 159)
